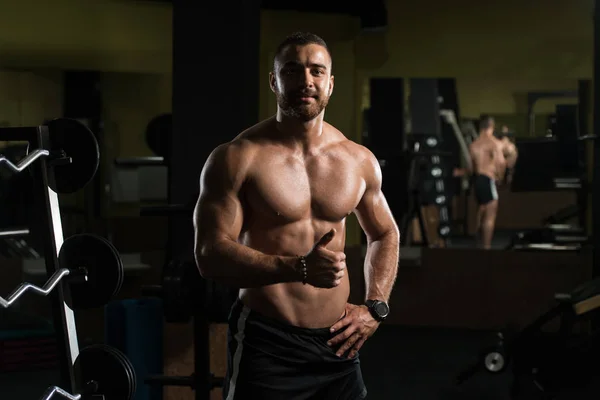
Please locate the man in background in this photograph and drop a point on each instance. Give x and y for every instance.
(489, 167)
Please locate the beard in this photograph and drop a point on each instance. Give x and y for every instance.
(291, 106)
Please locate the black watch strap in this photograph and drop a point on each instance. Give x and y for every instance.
(378, 309)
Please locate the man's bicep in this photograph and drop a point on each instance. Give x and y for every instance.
(218, 217)
(218, 213)
(373, 212)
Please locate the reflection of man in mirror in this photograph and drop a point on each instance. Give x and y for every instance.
(489, 166)
(510, 153)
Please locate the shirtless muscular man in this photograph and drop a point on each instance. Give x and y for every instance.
(491, 157)
(270, 220)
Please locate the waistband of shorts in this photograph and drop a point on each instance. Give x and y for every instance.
(255, 316)
(476, 176)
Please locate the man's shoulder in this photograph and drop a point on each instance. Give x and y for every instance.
(228, 163)
(234, 156)
(360, 156)
(244, 144)
(483, 142)
(232, 151)
(360, 153)
(356, 150)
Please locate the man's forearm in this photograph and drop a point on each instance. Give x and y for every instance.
(381, 266)
(237, 265)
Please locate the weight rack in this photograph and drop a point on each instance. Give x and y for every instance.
(47, 226)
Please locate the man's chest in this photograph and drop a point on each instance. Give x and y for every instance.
(294, 189)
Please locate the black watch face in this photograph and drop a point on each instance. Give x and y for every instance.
(381, 309)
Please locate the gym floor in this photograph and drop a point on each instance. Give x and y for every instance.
(397, 362)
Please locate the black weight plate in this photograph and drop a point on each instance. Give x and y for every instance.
(104, 270)
(158, 134)
(130, 370)
(108, 368)
(78, 143)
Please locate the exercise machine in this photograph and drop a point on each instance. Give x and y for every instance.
(464, 140)
(555, 354)
(555, 163)
(427, 187)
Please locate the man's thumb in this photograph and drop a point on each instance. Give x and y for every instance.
(324, 241)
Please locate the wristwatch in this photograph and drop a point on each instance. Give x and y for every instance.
(378, 309)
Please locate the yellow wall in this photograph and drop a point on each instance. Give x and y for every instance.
(506, 99)
(129, 40)
(496, 50)
(535, 39)
(131, 100)
(105, 35)
(508, 96)
(29, 97)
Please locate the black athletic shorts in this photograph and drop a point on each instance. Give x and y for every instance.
(485, 189)
(270, 360)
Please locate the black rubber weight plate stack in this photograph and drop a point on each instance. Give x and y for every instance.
(78, 143)
(109, 369)
(129, 368)
(104, 270)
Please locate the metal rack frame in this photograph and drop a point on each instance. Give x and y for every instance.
(48, 229)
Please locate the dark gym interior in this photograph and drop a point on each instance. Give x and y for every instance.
(109, 110)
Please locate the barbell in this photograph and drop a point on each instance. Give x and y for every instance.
(73, 156)
(90, 266)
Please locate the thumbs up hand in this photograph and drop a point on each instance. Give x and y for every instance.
(325, 268)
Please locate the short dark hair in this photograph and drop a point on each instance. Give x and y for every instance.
(300, 39)
(486, 121)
